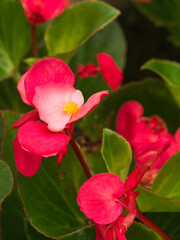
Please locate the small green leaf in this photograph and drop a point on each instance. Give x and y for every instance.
(138, 231)
(14, 37)
(6, 181)
(149, 201)
(87, 233)
(49, 197)
(117, 153)
(170, 72)
(167, 183)
(73, 28)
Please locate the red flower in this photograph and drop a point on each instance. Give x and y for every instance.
(39, 11)
(149, 138)
(111, 73)
(102, 197)
(48, 86)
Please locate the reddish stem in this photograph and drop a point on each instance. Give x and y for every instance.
(80, 157)
(34, 40)
(153, 226)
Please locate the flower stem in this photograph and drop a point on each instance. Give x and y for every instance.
(153, 226)
(34, 40)
(80, 157)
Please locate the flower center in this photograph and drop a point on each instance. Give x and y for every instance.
(70, 108)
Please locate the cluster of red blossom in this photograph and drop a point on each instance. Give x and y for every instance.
(153, 145)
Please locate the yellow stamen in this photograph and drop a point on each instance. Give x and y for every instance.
(70, 108)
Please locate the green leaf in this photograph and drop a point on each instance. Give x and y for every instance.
(14, 37)
(168, 15)
(167, 183)
(151, 93)
(117, 153)
(64, 38)
(149, 201)
(169, 71)
(12, 213)
(138, 231)
(6, 181)
(10, 98)
(49, 197)
(168, 222)
(110, 40)
(32, 234)
(87, 233)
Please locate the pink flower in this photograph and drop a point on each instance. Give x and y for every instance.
(111, 73)
(48, 86)
(149, 138)
(39, 11)
(102, 198)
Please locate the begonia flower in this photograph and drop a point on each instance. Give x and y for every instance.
(102, 198)
(39, 11)
(149, 138)
(110, 71)
(48, 86)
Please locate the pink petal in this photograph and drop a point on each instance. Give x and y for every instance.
(49, 100)
(32, 115)
(47, 70)
(126, 122)
(98, 198)
(36, 138)
(40, 11)
(91, 103)
(110, 71)
(21, 89)
(26, 162)
(78, 98)
(89, 70)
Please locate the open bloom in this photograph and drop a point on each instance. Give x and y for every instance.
(149, 138)
(102, 198)
(110, 71)
(48, 86)
(39, 11)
